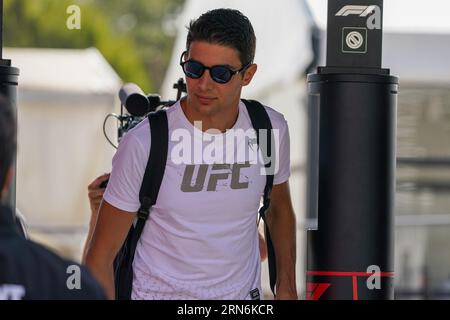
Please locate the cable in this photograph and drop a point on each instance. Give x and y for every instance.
(104, 127)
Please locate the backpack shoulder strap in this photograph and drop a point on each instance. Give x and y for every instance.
(148, 194)
(262, 124)
(156, 165)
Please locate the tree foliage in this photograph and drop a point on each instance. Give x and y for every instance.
(131, 34)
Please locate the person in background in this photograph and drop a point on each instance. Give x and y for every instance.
(27, 269)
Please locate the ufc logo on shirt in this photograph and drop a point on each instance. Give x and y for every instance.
(218, 172)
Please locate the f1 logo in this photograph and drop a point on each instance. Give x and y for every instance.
(374, 20)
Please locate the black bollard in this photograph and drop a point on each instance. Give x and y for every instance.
(351, 158)
(8, 87)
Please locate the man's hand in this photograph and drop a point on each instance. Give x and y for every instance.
(104, 245)
(282, 227)
(95, 194)
(286, 294)
(262, 246)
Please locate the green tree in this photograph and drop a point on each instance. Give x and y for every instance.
(130, 34)
(148, 23)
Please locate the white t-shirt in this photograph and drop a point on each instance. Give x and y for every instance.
(201, 239)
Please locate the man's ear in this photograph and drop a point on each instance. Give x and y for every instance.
(7, 182)
(249, 73)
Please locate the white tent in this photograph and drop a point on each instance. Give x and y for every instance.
(63, 98)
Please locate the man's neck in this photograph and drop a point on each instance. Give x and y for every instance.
(221, 122)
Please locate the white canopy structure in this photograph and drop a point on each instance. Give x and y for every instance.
(63, 98)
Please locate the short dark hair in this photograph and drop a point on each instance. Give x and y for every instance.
(8, 138)
(226, 27)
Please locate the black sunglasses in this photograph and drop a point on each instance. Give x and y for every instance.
(220, 74)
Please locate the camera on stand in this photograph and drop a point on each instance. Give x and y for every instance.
(138, 105)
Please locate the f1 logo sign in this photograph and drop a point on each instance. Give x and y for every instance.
(374, 20)
(362, 11)
(354, 40)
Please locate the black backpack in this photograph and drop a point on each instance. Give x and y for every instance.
(154, 172)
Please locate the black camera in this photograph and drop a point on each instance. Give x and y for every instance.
(138, 105)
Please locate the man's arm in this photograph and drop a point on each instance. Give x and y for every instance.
(95, 195)
(109, 234)
(282, 226)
